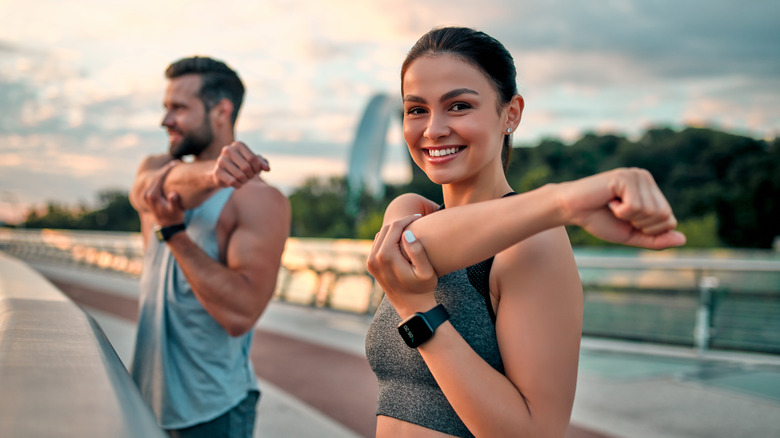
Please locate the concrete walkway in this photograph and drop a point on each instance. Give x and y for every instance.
(317, 383)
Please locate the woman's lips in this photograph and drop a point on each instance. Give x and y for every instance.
(442, 153)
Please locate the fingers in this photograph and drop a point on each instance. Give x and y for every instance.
(400, 265)
(257, 162)
(385, 249)
(174, 200)
(166, 207)
(421, 265)
(237, 164)
(636, 212)
(156, 191)
(641, 203)
(663, 240)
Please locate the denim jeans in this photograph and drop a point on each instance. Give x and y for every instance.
(238, 422)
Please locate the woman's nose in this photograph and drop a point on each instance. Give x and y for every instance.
(438, 127)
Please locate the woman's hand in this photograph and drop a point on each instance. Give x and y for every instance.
(622, 206)
(398, 262)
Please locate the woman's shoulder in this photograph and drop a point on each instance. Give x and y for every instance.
(409, 204)
(541, 255)
(541, 247)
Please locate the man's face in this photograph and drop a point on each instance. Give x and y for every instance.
(186, 119)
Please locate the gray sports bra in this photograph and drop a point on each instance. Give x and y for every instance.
(407, 389)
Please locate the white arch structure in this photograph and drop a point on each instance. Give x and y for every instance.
(364, 174)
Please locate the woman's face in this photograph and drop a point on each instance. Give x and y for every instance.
(451, 123)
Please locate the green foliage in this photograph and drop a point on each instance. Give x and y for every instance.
(318, 209)
(370, 225)
(56, 216)
(724, 188)
(701, 232)
(580, 237)
(113, 214)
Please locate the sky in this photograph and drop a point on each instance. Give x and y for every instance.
(81, 82)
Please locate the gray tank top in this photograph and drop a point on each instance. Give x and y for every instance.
(407, 389)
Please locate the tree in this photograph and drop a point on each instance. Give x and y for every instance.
(113, 214)
(724, 188)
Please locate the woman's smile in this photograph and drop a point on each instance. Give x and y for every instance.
(441, 154)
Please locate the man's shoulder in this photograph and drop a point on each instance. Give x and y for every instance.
(258, 187)
(258, 205)
(154, 162)
(258, 191)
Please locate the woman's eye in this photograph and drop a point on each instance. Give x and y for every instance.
(415, 111)
(460, 106)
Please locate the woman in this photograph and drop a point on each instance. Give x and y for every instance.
(480, 330)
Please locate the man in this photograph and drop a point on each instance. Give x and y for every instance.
(213, 234)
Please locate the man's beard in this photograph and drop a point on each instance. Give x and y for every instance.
(193, 143)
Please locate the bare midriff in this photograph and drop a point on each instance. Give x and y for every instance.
(388, 427)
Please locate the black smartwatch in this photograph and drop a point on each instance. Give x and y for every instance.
(418, 328)
(165, 233)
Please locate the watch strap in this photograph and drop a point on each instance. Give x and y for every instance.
(165, 233)
(436, 316)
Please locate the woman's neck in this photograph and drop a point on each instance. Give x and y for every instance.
(466, 193)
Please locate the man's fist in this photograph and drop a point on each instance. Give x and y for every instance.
(237, 164)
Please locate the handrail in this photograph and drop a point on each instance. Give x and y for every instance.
(725, 298)
(59, 375)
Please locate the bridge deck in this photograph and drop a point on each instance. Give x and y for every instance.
(316, 382)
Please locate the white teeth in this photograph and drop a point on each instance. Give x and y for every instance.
(442, 152)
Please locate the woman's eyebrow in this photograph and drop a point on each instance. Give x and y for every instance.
(455, 93)
(445, 97)
(413, 98)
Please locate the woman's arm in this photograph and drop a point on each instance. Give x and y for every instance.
(623, 206)
(538, 327)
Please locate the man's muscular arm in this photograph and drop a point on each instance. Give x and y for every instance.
(234, 293)
(195, 182)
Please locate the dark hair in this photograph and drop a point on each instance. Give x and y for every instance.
(218, 81)
(480, 50)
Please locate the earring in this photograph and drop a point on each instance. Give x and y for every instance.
(508, 130)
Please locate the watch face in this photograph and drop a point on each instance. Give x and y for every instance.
(415, 330)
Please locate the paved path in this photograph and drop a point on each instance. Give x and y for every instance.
(317, 383)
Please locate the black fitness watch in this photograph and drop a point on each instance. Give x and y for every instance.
(165, 233)
(418, 328)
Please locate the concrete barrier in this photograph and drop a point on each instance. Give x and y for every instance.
(59, 375)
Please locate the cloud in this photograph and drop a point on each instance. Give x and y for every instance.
(82, 82)
(6, 47)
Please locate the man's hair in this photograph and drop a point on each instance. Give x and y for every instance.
(218, 81)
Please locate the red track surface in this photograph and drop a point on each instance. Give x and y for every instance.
(338, 384)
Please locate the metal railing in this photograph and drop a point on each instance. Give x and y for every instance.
(59, 375)
(703, 299)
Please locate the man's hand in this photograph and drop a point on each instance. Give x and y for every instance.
(236, 165)
(166, 208)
